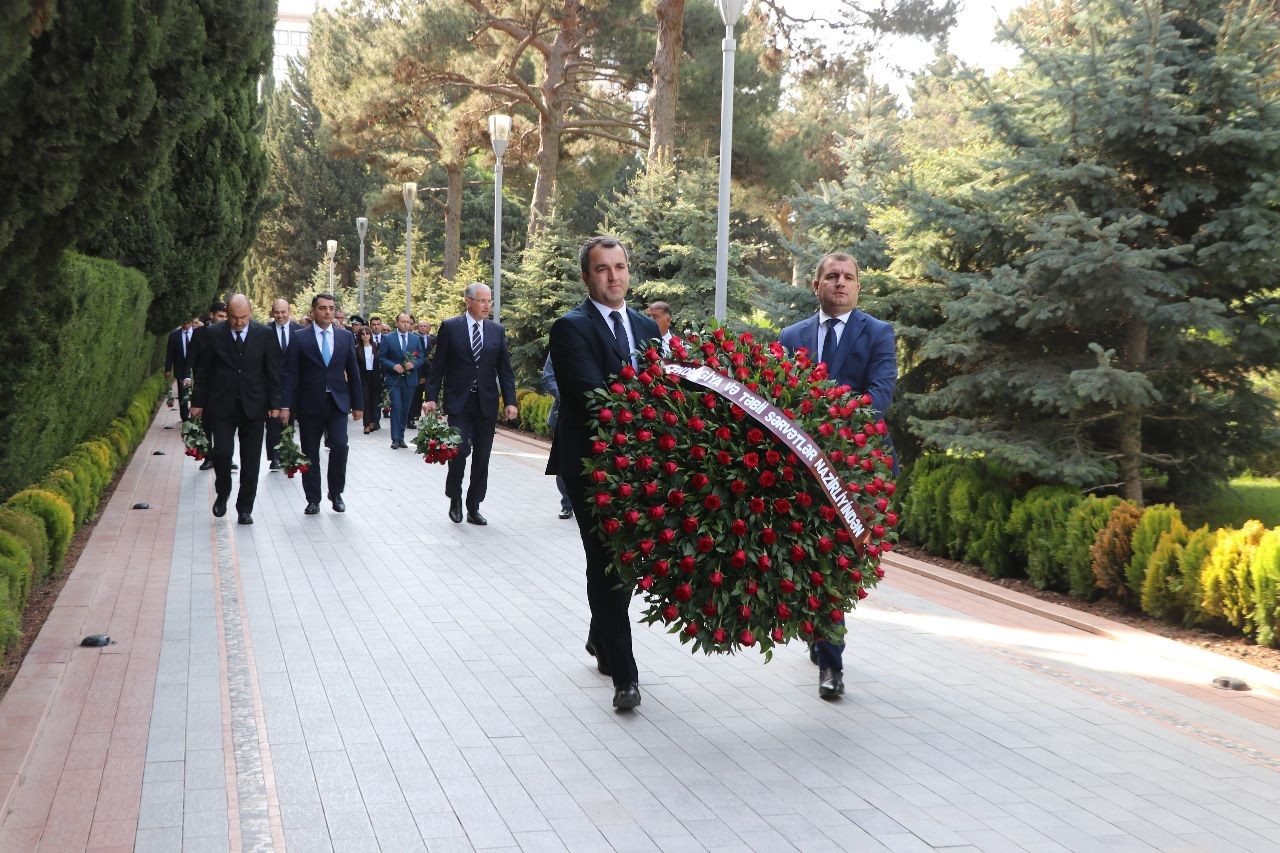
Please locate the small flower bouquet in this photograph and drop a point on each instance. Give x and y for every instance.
(409, 359)
(197, 443)
(436, 440)
(291, 458)
(168, 396)
(745, 495)
(386, 402)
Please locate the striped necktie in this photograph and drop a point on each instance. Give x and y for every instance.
(475, 342)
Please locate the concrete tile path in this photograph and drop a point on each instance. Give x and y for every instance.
(386, 680)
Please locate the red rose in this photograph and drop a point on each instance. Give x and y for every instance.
(836, 456)
(737, 486)
(881, 428)
(627, 372)
(650, 489)
(691, 629)
(882, 504)
(804, 499)
(751, 460)
(656, 513)
(877, 530)
(816, 578)
(826, 430)
(599, 476)
(764, 562)
(632, 517)
(755, 436)
(625, 416)
(720, 636)
(805, 406)
(787, 585)
(879, 571)
(860, 440)
(739, 559)
(670, 419)
(616, 387)
(886, 546)
(687, 564)
(651, 355)
(603, 499)
(837, 615)
(698, 452)
(842, 562)
(828, 512)
(646, 463)
(813, 603)
(670, 612)
(670, 468)
(738, 528)
(855, 576)
(756, 505)
(723, 433)
(598, 447)
(677, 394)
(690, 524)
(716, 579)
(868, 465)
(768, 479)
(675, 497)
(644, 434)
(646, 583)
(797, 553)
(825, 545)
(710, 608)
(806, 627)
(890, 488)
(666, 535)
(891, 519)
(709, 400)
(611, 526)
(621, 463)
(696, 424)
(648, 413)
(768, 536)
(783, 611)
(683, 592)
(706, 544)
(782, 506)
(699, 481)
(712, 502)
(744, 612)
(752, 587)
(723, 457)
(747, 638)
(873, 550)
(628, 557)
(718, 334)
(772, 457)
(624, 490)
(797, 527)
(646, 546)
(606, 415)
(667, 443)
(661, 568)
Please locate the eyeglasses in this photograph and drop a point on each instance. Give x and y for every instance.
(481, 301)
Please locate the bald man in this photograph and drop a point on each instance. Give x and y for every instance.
(282, 328)
(237, 388)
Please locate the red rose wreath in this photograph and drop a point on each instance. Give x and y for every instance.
(745, 495)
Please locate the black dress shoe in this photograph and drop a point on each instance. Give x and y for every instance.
(275, 466)
(566, 513)
(474, 517)
(831, 683)
(455, 510)
(235, 467)
(245, 518)
(627, 697)
(590, 647)
(219, 507)
(206, 464)
(313, 508)
(338, 505)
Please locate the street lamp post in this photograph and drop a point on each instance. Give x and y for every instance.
(499, 133)
(331, 247)
(410, 192)
(362, 228)
(730, 10)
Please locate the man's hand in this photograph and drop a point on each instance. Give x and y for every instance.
(284, 416)
(196, 411)
(186, 383)
(511, 413)
(273, 413)
(356, 414)
(399, 368)
(429, 406)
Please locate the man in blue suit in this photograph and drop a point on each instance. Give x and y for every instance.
(471, 363)
(322, 384)
(402, 354)
(589, 345)
(860, 352)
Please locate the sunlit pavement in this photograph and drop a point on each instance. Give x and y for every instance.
(385, 679)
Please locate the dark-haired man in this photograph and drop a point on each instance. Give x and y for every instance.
(283, 329)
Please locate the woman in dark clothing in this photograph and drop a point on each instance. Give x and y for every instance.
(370, 377)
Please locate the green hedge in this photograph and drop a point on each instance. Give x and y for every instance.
(37, 523)
(85, 351)
(971, 510)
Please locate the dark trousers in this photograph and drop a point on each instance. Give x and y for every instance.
(399, 392)
(830, 655)
(224, 432)
(477, 442)
(371, 386)
(184, 405)
(610, 630)
(565, 503)
(331, 425)
(415, 405)
(273, 432)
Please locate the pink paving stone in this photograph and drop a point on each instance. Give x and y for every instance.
(112, 833)
(66, 831)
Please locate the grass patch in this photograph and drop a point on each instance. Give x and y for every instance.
(1245, 498)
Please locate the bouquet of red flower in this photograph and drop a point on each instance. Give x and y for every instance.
(436, 440)
(385, 403)
(197, 443)
(745, 495)
(291, 458)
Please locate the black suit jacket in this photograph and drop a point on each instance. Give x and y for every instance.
(229, 383)
(306, 376)
(455, 369)
(176, 362)
(584, 355)
(294, 328)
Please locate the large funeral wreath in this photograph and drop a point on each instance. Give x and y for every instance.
(745, 495)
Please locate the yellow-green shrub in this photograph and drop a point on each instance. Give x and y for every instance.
(29, 530)
(57, 516)
(1160, 581)
(1200, 544)
(1157, 520)
(16, 567)
(1113, 549)
(1266, 588)
(1082, 527)
(1226, 578)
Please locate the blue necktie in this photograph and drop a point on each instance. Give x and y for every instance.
(324, 346)
(829, 341)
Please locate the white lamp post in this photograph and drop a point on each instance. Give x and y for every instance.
(362, 228)
(499, 133)
(730, 11)
(410, 192)
(331, 247)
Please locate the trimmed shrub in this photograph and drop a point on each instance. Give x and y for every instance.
(1266, 588)
(1200, 544)
(988, 541)
(1082, 527)
(1157, 520)
(1226, 578)
(29, 530)
(16, 568)
(925, 508)
(55, 513)
(1037, 531)
(1160, 597)
(10, 619)
(1113, 549)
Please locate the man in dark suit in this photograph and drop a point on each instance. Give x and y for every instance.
(552, 387)
(420, 390)
(860, 352)
(282, 328)
(322, 384)
(177, 364)
(402, 355)
(379, 329)
(237, 388)
(589, 345)
(217, 314)
(471, 362)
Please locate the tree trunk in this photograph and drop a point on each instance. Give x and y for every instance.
(1130, 438)
(555, 86)
(452, 220)
(666, 79)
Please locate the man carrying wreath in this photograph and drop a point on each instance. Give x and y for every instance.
(589, 345)
(860, 352)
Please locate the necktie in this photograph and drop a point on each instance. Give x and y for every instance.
(325, 352)
(829, 343)
(475, 342)
(283, 342)
(404, 343)
(240, 342)
(619, 333)
(186, 342)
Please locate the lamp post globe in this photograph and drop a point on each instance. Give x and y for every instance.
(362, 228)
(499, 134)
(410, 192)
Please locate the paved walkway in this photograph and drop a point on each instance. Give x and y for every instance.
(387, 680)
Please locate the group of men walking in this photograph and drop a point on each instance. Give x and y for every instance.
(248, 375)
